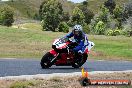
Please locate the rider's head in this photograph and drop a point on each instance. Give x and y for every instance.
(77, 30)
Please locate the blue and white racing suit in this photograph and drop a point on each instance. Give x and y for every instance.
(82, 42)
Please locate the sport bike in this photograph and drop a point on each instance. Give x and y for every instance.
(62, 54)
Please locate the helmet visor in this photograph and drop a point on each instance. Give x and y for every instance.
(76, 32)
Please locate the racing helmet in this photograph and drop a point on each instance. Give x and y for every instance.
(77, 30)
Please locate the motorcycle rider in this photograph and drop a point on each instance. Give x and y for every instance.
(80, 38)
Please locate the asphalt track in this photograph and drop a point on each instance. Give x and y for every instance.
(17, 67)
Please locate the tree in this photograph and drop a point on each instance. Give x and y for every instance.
(85, 3)
(128, 26)
(100, 21)
(51, 14)
(100, 28)
(77, 17)
(118, 14)
(86, 28)
(110, 4)
(36, 16)
(41, 10)
(66, 17)
(11, 0)
(6, 16)
(127, 10)
(127, 17)
(63, 27)
(103, 15)
(87, 12)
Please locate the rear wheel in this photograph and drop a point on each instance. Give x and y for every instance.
(80, 61)
(46, 59)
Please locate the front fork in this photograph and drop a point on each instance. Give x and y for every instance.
(55, 54)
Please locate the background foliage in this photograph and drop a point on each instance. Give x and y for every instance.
(115, 14)
(6, 16)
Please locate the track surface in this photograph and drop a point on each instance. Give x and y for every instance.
(17, 67)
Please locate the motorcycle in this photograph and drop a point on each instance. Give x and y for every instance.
(61, 54)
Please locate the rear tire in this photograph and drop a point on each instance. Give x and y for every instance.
(45, 61)
(80, 62)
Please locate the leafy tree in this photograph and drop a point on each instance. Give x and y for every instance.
(63, 27)
(112, 23)
(107, 20)
(86, 28)
(109, 32)
(6, 16)
(103, 15)
(87, 12)
(77, 17)
(118, 11)
(127, 10)
(41, 10)
(66, 17)
(117, 32)
(100, 28)
(110, 4)
(114, 32)
(12, 0)
(36, 16)
(28, 13)
(51, 14)
(118, 14)
(128, 26)
(85, 3)
(93, 23)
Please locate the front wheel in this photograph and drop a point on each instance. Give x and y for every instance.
(46, 59)
(80, 61)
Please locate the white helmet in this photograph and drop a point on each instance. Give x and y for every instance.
(77, 30)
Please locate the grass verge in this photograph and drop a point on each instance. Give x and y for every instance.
(112, 47)
(66, 81)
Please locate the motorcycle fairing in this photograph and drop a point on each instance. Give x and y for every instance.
(53, 52)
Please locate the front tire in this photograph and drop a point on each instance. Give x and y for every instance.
(46, 59)
(80, 61)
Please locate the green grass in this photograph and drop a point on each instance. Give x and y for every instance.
(112, 47)
(28, 43)
(32, 26)
(24, 42)
(24, 84)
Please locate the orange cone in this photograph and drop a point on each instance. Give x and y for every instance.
(86, 74)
